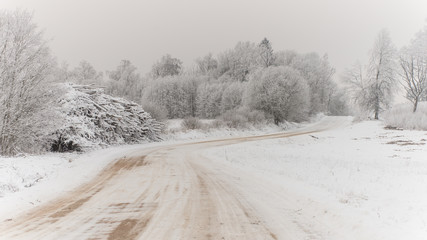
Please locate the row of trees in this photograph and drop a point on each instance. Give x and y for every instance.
(372, 86)
(284, 85)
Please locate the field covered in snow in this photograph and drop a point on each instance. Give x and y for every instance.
(359, 181)
(364, 181)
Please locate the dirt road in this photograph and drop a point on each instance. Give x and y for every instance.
(168, 192)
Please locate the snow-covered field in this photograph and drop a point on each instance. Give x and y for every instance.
(28, 181)
(360, 181)
(363, 181)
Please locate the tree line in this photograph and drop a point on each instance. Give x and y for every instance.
(281, 85)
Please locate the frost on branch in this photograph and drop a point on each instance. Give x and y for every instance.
(93, 118)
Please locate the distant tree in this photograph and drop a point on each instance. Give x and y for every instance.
(266, 53)
(85, 73)
(209, 97)
(125, 82)
(239, 61)
(413, 63)
(207, 64)
(414, 77)
(318, 73)
(232, 96)
(285, 58)
(62, 73)
(372, 87)
(177, 94)
(280, 92)
(381, 71)
(26, 97)
(167, 66)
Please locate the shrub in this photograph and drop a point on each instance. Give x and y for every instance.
(242, 118)
(402, 116)
(191, 123)
(156, 111)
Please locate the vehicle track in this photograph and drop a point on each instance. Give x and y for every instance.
(167, 192)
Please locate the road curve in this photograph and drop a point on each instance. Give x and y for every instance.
(167, 192)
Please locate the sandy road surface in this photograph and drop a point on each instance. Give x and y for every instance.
(168, 192)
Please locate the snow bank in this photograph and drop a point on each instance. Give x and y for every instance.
(175, 131)
(363, 181)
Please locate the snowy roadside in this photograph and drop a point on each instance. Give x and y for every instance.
(175, 132)
(27, 181)
(362, 181)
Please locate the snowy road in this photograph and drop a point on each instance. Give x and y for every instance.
(170, 192)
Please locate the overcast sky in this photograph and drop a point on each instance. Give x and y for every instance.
(104, 32)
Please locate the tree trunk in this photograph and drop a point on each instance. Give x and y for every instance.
(377, 108)
(415, 104)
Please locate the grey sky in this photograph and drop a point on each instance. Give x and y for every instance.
(104, 32)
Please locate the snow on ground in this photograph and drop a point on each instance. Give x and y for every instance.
(175, 132)
(363, 180)
(28, 181)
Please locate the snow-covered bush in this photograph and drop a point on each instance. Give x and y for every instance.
(209, 97)
(280, 92)
(92, 118)
(242, 118)
(232, 96)
(158, 112)
(402, 116)
(191, 123)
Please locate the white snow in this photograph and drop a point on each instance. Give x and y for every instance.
(357, 181)
(28, 181)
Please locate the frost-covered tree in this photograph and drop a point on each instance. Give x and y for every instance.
(413, 66)
(381, 72)
(125, 82)
(232, 96)
(25, 97)
(178, 94)
(372, 87)
(206, 64)
(266, 53)
(318, 73)
(280, 92)
(239, 61)
(209, 97)
(166, 66)
(85, 73)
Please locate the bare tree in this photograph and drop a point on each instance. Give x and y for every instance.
(357, 85)
(25, 63)
(372, 89)
(381, 71)
(414, 77)
(413, 63)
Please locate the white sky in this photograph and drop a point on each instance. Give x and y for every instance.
(104, 32)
